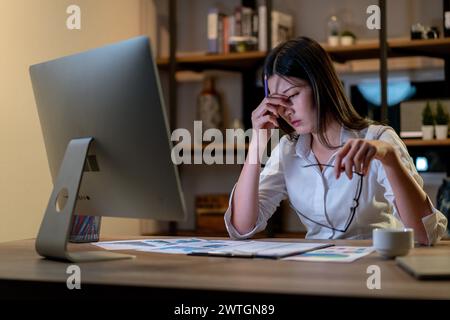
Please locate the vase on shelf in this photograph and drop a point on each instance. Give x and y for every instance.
(209, 108)
(441, 119)
(333, 41)
(427, 132)
(441, 131)
(427, 122)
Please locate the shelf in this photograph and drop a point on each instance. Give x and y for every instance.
(357, 51)
(231, 61)
(436, 48)
(426, 143)
(393, 64)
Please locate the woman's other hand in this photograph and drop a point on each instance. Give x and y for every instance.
(357, 154)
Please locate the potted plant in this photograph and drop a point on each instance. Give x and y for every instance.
(347, 38)
(427, 122)
(441, 120)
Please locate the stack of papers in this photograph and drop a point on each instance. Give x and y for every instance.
(295, 251)
(262, 249)
(334, 254)
(230, 248)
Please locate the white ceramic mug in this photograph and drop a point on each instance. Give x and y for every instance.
(391, 243)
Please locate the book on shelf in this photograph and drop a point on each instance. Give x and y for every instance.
(238, 21)
(246, 21)
(282, 27)
(213, 30)
(220, 33)
(246, 29)
(262, 28)
(235, 32)
(226, 33)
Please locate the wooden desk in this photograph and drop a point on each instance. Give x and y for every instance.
(165, 276)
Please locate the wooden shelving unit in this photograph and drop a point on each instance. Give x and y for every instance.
(247, 63)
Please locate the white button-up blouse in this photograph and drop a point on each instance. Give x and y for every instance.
(322, 200)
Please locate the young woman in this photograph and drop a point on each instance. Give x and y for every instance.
(342, 174)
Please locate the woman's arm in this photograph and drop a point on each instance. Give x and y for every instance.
(410, 199)
(245, 199)
(245, 202)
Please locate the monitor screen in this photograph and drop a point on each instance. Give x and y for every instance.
(113, 95)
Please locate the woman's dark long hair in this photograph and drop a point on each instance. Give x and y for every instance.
(305, 59)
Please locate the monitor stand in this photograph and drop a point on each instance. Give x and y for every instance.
(55, 228)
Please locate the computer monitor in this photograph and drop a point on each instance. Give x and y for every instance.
(108, 142)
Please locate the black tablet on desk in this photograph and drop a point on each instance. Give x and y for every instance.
(426, 267)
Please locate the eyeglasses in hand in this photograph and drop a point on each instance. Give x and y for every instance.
(352, 209)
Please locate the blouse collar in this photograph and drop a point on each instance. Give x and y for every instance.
(303, 144)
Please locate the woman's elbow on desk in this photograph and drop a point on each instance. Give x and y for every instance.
(242, 228)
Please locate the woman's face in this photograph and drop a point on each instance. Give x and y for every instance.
(301, 114)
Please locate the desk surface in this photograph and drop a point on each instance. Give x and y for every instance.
(20, 265)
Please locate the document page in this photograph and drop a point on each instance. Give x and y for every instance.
(197, 246)
(267, 249)
(334, 254)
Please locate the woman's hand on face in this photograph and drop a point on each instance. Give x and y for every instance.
(357, 154)
(265, 115)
